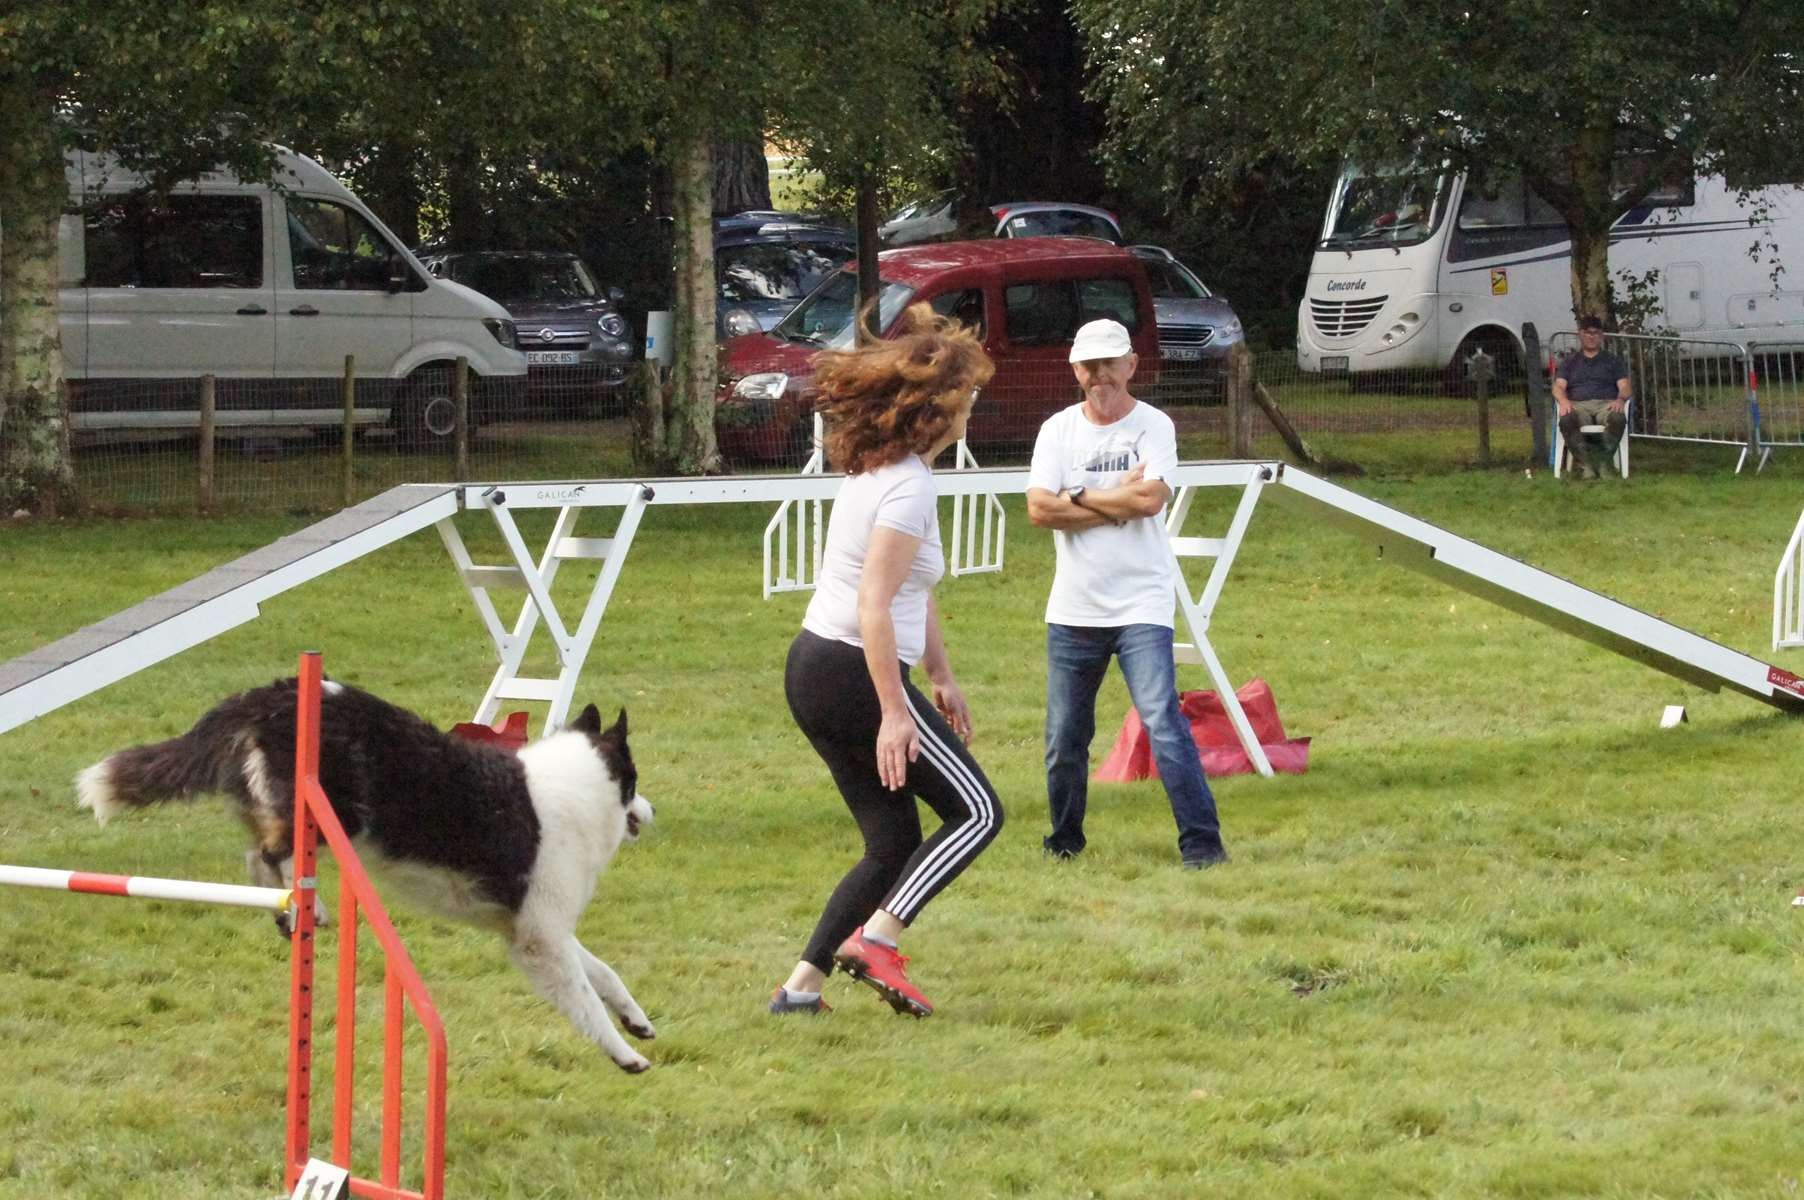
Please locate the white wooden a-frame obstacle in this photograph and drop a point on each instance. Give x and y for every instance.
(185, 616)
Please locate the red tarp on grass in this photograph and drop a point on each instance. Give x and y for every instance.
(510, 733)
(1132, 756)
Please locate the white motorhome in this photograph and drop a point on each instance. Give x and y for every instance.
(267, 286)
(1416, 269)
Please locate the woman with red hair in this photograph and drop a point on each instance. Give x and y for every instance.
(892, 406)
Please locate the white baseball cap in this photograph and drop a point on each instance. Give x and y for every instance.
(1101, 339)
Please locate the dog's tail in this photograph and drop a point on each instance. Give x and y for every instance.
(199, 761)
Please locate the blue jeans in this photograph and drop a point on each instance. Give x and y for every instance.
(1076, 658)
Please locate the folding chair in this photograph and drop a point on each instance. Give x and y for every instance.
(1562, 454)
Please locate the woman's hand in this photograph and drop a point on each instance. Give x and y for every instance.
(898, 744)
(951, 702)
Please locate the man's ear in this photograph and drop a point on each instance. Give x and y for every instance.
(588, 721)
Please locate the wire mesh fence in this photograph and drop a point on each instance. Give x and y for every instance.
(282, 445)
(308, 445)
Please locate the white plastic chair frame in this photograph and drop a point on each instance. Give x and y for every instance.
(1561, 453)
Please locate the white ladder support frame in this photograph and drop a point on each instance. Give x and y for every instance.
(1788, 596)
(781, 574)
(981, 551)
(1197, 611)
(536, 577)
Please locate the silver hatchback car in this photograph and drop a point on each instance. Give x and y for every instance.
(1197, 328)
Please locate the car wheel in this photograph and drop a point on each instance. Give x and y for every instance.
(424, 415)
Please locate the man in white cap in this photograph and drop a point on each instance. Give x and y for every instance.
(1097, 481)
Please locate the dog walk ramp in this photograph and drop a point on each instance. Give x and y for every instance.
(204, 607)
(1543, 596)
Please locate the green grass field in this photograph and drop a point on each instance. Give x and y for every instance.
(1506, 937)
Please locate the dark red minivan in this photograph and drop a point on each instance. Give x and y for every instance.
(1026, 296)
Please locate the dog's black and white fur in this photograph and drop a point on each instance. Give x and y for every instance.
(511, 842)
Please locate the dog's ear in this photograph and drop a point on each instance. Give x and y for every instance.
(619, 729)
(588, 721)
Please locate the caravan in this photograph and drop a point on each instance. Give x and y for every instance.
(1416, 269)
(267, 286)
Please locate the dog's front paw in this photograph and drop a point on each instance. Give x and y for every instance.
(633, 1064)
(639, 1027)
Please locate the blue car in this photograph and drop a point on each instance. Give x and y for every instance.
(766, 262)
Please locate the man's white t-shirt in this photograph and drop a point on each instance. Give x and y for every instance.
(1113, 574)
(900, 496)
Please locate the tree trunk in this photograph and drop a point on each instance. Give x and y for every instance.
(868, 281)
(396, 195)
(463, 195)
(1591, 273)
(35, 472)
(689, 422)
(741, 176)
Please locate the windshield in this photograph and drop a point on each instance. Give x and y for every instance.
(1171, 280)
(1060, 222)
(518, 277)
(825, 318)
(926, 206)
(776, 270)
(1386, 208)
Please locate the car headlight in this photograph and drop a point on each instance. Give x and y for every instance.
(767, 385)
(1231, 331)
(503, 331)
(739, 322)
(612, 324)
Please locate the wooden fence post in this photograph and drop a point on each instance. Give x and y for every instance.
(207, 404)
(460, 437)
(1480, 367)
(1238, 385)
(350, 431)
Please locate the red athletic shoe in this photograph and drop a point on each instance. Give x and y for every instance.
(884, 969)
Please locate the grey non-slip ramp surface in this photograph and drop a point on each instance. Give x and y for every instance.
(207, 605)
(1543, 596)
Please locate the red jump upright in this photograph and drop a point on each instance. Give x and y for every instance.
(402, 988)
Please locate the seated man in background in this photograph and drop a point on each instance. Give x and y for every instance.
(1592, 388)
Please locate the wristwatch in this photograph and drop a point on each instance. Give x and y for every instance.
(1075, 495)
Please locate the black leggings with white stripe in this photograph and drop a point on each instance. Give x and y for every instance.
(833, 700)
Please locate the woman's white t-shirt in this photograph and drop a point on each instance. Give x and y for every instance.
(900, 496)
(1110, 575)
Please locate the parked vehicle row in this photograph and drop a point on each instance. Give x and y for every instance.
(266, 287)
(1025, 296)
(935, 218)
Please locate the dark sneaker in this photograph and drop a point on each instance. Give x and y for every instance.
(1203, 862)
(781, 1005)
(885, 970)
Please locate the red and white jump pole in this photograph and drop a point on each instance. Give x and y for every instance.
(147, 887)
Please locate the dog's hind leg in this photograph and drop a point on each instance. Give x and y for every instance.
(550, 962)
(613, 993)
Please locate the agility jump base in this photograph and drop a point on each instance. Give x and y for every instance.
(202, 608)
(402, 984)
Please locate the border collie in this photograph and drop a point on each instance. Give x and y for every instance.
(510, 842)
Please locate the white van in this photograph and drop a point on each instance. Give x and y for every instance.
(267, 287)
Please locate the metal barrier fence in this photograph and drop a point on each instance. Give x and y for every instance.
(1686, 389)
